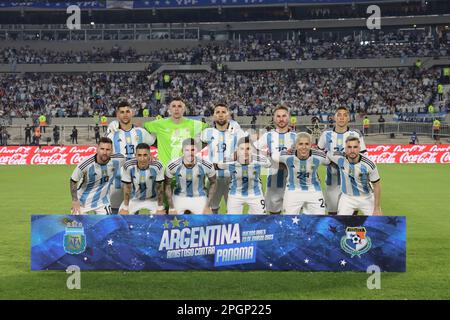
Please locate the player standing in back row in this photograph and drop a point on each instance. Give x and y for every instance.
(333, 140)
(272, 142)
(125, 139)
(222, 143)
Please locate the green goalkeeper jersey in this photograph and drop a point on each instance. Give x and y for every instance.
(170, 136)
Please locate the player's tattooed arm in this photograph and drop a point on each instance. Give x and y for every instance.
(211, 192)
(168, 192)
(74, 194)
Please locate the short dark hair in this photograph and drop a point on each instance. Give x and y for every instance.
(352, 138)
(105, 140)
(243, 140)
(221, 104)
(281, 107)
(142, 146)
(342, 108)
(188, 142)
(123, 104)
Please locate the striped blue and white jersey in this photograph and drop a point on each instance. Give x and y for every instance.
(190, 182)
(221, 144)
(302, 174)
(246, 178)
(355, 179)
(125, 142)
(235, 125)
(331, 141)
(273, 142)
(95, 180)
(143, 180)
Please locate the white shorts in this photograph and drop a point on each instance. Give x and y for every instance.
(274, 194)
(349, 204)
(312, 202)
(332, 194)
(195, 205)
(223, 184)
(256, 205)
(99, 210)
(135, 205)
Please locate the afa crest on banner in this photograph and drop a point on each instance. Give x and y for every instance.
(74, 238)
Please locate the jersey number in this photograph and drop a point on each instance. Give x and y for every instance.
(129, 149)
(263, 203)
(221, 147)
(322, 203)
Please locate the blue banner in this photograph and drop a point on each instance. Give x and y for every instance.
(142, 4)
(218, 242)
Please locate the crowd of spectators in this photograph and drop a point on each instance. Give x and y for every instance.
(380, 44)
(306, 92)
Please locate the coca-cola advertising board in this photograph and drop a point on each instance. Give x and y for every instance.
(383, 153)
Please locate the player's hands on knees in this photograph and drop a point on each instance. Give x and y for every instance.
(172, 211)
(161, 211)
(207, 210)
(76, 208)
(377, 212)
(124, 211)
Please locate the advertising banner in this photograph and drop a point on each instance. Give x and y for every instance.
(218, 242)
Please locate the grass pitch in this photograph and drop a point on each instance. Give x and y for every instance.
(420, 192)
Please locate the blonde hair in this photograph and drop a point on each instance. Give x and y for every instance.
(303, 135)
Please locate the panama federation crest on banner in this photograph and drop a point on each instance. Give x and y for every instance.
(74, 238)
(356, 242)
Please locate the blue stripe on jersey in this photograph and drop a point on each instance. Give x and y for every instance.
(340, 137)
(209, 141)
(139, 134)
(280, 178)
(302, 176)
(256, 181)
(269, 142)
(133, 176)
(328, 179)
(344, 186)
(116, 142)
(315, 179)
(177, 190)
(364, 181)
(233, 186)
(89, 184)
(353, 181)
(117, 176)
(129, 147)
(201, 189)
(220, 145)
(153, 173)
(291, 174)
(143, 190)
(99, 189)
(328, 141)
(245, 181)
(189, 186)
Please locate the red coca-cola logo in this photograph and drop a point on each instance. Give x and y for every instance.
(77, 158)
(56, 158)
(445, 157)
(15, 159)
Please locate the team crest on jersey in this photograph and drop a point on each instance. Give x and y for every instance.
(188, 176)
(356, 242)
(74, 238)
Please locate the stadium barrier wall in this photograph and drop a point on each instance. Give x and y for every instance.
(66, 155)
(218, 242)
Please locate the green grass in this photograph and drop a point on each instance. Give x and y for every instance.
(418, 191)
